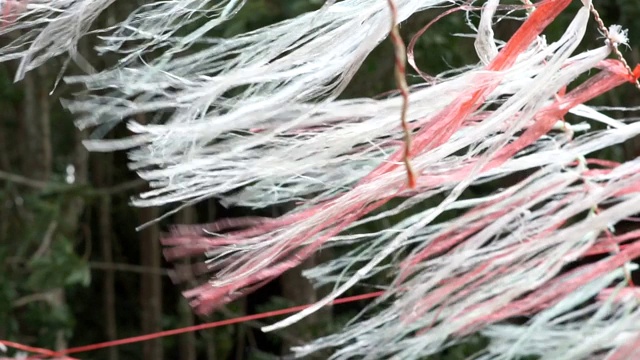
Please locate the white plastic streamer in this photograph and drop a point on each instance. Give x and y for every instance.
(254, 120)
(51, 28)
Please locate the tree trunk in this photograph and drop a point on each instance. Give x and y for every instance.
(299, 290)
(209, 335)
(151, 284)
(104, 178)
(188, 340)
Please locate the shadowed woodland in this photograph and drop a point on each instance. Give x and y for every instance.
(74, 269)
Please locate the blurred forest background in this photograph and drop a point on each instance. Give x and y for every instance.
(74, 270)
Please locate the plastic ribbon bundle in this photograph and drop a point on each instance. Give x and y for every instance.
(255, 120)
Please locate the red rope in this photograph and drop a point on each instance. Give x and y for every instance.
(37, 350)
(140, 338)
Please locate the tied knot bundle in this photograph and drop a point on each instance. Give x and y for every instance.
(255, 120)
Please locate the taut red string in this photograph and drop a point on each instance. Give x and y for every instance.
(140, 338)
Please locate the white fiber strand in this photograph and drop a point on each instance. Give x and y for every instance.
(534, 267)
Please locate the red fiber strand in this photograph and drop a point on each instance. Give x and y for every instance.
(37, 350)
(183, 330)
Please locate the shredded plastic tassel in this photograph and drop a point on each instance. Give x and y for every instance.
(255, 120)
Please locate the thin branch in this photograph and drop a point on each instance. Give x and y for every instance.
(22, 180)
(46, 240)
(60, 187)
(120, 188)
(25, 300)
(128, 268)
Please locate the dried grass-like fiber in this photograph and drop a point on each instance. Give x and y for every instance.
(253, 120)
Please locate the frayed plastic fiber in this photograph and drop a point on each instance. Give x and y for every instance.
(255, 120)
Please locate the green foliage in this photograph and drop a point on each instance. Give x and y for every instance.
(9, 93)
(466, 349)
(272, 304)
(62, 267)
